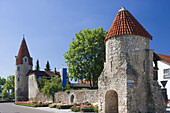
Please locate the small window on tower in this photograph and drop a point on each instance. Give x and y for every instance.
(25, 59)
(18, 69)
(18, 79)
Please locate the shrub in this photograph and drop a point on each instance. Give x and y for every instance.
(54, 106)
(88, 109)
(34, 102)
(96, 109)
(63, 106)
(67, 91)
(75, 108)
(88, 104)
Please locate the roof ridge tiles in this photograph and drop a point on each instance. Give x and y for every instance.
(125, 23)
(23, 51)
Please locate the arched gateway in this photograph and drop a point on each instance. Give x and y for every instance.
(111, 102)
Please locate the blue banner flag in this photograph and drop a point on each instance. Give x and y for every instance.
(63, 73)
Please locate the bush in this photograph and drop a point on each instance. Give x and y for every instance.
(63, 106)
(67, 91)
(88, 104)
(34, 102)
(31, 104)
(75, 108)
(88, 109)
(53, 106)
(96, 109)
(76, 104)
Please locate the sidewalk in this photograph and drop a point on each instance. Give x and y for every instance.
(54, 110)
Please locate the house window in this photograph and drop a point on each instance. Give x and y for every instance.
(167, 73)
(18, 69)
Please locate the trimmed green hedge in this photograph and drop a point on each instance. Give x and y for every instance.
(88, 109)
(63, 106)
(33, 105)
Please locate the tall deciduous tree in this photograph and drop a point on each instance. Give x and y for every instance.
(37, 67)
(85, 57)
(2, 82)
(9, 87)
(52, 86)
(47, 67)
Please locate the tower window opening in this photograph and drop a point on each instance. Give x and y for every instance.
(18, 79)
(25, 59)
(18, 69)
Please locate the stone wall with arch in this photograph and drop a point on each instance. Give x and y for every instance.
(77, 96)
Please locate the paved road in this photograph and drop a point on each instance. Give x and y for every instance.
(12, 108)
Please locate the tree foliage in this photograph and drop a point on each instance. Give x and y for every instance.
(2, 82)
(9, 87)
(37, 67)
(47, 67)
(52, 86)
(85, 57)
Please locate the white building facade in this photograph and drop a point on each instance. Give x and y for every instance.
(164, 72)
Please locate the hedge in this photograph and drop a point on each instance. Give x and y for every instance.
(63, 106)
(33, 105)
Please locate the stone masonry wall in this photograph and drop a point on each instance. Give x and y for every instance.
(128, 75)
(21, 81)
(78, 96)
(33, 89)
(124, 62)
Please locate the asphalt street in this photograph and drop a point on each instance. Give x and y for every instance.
(12, 108)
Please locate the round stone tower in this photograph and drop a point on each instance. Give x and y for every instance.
(126, 84)
(22, 67)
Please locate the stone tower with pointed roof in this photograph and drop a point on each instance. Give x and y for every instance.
(126, 84)
(22, 67)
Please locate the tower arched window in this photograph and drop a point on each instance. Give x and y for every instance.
(25, 59)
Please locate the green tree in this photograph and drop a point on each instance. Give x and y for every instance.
(9, 87)
(2, 82)
(37, 67)
(86, 55)
(52, 86)
(47, 67)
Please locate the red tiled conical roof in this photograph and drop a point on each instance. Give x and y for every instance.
(23, 51)
(125, 23)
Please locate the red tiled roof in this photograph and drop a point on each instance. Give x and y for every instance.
(23, 51)
(125, 23)
(164, 58)
(44, 73)
(84, 82)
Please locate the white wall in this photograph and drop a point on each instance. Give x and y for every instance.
(162, 66)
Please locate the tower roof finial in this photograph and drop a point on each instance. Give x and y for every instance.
(122, 8)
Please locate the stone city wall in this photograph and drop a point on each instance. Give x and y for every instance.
(79, 96)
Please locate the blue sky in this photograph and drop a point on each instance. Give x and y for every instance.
(50, 25)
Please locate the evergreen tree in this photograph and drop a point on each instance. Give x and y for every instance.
(37, 67)
(47, 68)
(86, 55)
